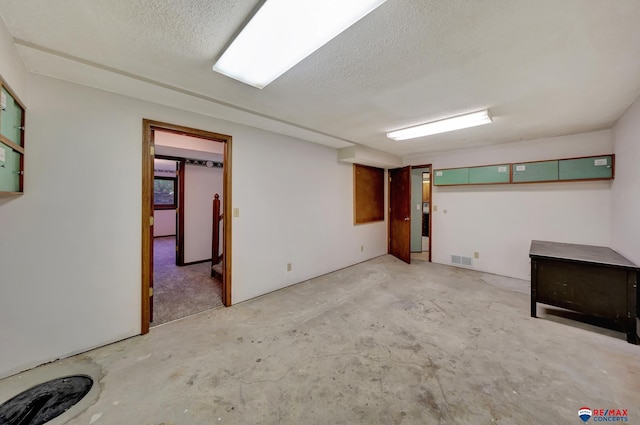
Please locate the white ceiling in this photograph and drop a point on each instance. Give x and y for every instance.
(543, 67)
(180, 141)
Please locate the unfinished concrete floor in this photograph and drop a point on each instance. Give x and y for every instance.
(381, 342)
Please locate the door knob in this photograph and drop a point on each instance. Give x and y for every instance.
(407, 218)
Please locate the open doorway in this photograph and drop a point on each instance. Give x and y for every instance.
(421, 212)
(184, 188)
(179, 260)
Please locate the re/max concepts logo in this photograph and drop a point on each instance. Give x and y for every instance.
(603, 415)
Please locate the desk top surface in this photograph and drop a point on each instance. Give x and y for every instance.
(580, 253)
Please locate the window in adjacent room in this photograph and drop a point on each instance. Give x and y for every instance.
(164, 193)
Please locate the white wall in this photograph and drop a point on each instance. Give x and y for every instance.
(12, 69)
(201, 184)
(180, 141)
(296, 206)
(71, 244)
(499, 221)
(625, 200)
(164, 223)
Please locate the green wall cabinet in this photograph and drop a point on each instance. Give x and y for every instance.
(451, 176)
(12, 118)
(11, 122)
(599, 167)
(541, 171)
(9, 169)
(491, 174)
(596, 167)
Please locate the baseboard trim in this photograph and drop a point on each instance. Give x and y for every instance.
(196, 262)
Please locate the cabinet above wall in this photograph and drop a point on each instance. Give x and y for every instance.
(599, 167)
(12, 119)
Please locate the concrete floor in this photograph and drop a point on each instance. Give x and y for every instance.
(381, 342)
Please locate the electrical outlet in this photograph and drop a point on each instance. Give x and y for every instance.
(288, 267)
(361, 248)
(476, 254)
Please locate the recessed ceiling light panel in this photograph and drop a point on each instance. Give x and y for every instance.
(283, 32)
(442, 126)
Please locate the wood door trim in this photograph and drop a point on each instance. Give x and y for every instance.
(226, 246)
(180, 229)
(148, 151)
(430, 207)
(430, 167)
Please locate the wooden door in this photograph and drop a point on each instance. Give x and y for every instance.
(400, 213)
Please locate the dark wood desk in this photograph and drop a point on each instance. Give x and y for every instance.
(593, 280)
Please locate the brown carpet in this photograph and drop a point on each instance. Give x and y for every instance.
(180, 291)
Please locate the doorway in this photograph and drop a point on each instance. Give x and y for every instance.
(421, 212)
(184, 188)
(410, 215)
(148, 217)
(168, 199)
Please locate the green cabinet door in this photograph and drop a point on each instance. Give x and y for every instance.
(451, 176)
(596, 167)
(535, 171)
(9, 169)
(489, 174)
(11, 118)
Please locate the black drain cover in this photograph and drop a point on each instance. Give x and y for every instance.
(39, 404)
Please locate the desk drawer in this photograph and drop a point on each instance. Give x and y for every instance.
(590, 289)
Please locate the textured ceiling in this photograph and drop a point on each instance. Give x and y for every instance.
(543, 67)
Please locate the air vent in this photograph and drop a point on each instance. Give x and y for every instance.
(461, 261)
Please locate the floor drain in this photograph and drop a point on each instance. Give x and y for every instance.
(39, 404)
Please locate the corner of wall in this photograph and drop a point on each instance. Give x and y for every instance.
(12, 68)
(625, 206)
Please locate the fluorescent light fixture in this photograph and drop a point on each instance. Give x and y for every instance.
(283, 32)
(442, 126)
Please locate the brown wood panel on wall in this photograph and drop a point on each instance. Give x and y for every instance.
(368, 194)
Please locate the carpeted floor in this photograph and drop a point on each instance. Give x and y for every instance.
(180, 291)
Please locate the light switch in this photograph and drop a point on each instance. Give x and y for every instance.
(418, 207)
(435, 208)
(236, 212)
